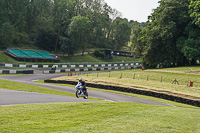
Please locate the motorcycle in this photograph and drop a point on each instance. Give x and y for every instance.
(80, 92)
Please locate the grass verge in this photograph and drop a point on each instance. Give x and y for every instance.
(98, 117)
(6, 59)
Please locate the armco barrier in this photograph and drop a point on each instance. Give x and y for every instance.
(10, 65)
(16, 72)
(131, 90)
(87, 69)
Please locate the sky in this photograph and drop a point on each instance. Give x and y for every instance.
(137, 10)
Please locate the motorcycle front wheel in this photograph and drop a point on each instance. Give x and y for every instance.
(77, 93)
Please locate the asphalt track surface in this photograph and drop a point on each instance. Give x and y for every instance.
(9, 97)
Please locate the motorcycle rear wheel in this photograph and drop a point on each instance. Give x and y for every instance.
(86, 95)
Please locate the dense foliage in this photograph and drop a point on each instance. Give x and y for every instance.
(171, 36)
(64, 25)
(99, 54)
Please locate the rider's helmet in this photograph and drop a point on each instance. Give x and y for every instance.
(80, 79)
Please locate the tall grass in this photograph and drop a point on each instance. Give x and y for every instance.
(159, 77)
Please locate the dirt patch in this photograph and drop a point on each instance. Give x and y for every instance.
(173, 71)
(194, 71)
(168, 71)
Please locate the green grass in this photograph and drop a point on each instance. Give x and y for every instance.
(6, 59)
(79, 58)
(89, 58)
(100, 117)
(95, 117)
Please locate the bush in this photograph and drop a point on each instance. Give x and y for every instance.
(100, 54)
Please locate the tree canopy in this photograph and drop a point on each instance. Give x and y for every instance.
(64, 25)
(171, 35)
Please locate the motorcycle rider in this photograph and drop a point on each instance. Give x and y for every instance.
(83, 84)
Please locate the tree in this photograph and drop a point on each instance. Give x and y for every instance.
(2, 11)
(194, 11)
(121, 33)
(51, 24)
(189, 43)
(67, 46)
(166, 24)
(80, 32)
(46, 38)
(136, 46)
(7, 34)
(63, 11)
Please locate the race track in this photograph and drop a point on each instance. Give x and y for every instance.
(12, 97)
(15, 97)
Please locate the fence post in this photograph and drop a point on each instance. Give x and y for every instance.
(109, 74)
(161, 79)
(147, 77)
(97, 74)
(134, 76)
(121, 76)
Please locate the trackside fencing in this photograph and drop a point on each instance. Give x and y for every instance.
(71, 65)
(86, 69)
(16, 71)
(58, 68)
